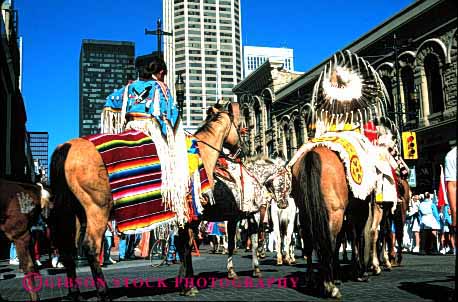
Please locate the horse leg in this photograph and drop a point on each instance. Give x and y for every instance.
(399, 226)
(262, 233)
(92, 246)
(377, 217)
(24, 249)
(184, 246)
(289, 233)
(276, 227)
(385, 230)
(254, 252)
(231, 231)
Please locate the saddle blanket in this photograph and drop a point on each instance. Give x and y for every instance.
(357, 154)
(134, 173)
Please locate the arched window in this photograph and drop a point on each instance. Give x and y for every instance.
(257, 116)
(246, 123)
(434, 80)
(408, 87)
(268, 103)
(287, 141)
(298, 130)
(391, 103)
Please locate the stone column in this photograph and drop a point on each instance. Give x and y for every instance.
(424, 95)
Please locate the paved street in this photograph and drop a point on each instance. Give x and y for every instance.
(421, 278)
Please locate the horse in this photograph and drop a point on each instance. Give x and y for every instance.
(20, 205)
(236, 200)
(320, 191)
(283, 213)
(385, 216)
(283, 227)
(80, 183)
(383, 212)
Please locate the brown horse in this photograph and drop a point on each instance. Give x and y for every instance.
(20, 205)
(321, 194)
(79, 181)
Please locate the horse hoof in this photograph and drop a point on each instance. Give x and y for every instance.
(231, 274)
(190, 292)
(377, 271)
(279, 262)
(257, 273)
(336, 293)
(362, 279)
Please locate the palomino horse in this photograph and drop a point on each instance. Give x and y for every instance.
(321, 194)
(80, 183)
(20, 205)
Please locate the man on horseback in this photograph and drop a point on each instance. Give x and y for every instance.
(147, 105)
(140, 99)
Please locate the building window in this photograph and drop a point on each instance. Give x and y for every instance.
(257, 116)
(390, 106)
(408, 87)
(434, 80)
(298, 130)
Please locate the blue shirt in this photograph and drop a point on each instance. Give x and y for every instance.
(141, 99)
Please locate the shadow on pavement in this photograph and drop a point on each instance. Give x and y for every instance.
(434, 292)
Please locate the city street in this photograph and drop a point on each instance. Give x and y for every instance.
(421, 278)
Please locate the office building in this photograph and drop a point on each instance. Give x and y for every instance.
(255, 56)
(206, 49)
(38, 142)
(104, 66)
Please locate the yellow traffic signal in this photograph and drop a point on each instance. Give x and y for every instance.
(409, 141)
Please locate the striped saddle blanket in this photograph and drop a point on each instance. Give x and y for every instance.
(134, 173)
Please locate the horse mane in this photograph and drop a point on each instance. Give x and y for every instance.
(211, 117)
(267, 160)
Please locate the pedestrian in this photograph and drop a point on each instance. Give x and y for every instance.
(108, 240)
(429, 224)
(450, 184)
(37, 232)
(447, 241)
(14, 260)
(414, 215)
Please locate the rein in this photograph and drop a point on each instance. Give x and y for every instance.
(220, 151)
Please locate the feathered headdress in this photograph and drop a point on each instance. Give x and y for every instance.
(348, 93)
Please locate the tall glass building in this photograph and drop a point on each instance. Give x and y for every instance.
(104, 66)
(206, 49)
(38, 142)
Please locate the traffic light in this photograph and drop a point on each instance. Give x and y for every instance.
(409, 141)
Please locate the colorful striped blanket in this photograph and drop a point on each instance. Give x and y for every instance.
(134, 173)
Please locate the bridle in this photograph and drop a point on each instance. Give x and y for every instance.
(284, 193)
(237, 152)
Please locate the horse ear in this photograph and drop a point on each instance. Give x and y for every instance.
(234, 109)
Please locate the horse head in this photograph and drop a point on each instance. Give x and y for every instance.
(278, 184)
(225, 118)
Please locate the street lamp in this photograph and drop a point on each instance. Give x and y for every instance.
(179, 90)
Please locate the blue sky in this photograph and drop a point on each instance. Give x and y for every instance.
(52, 32)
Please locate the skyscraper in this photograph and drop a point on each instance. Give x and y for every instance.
(104, 66)
(38, 142)
(255, 56)
(206, 49)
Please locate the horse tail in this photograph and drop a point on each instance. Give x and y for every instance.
(62, 218)
(314, 211)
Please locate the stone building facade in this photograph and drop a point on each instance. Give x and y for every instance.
(421, 41)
